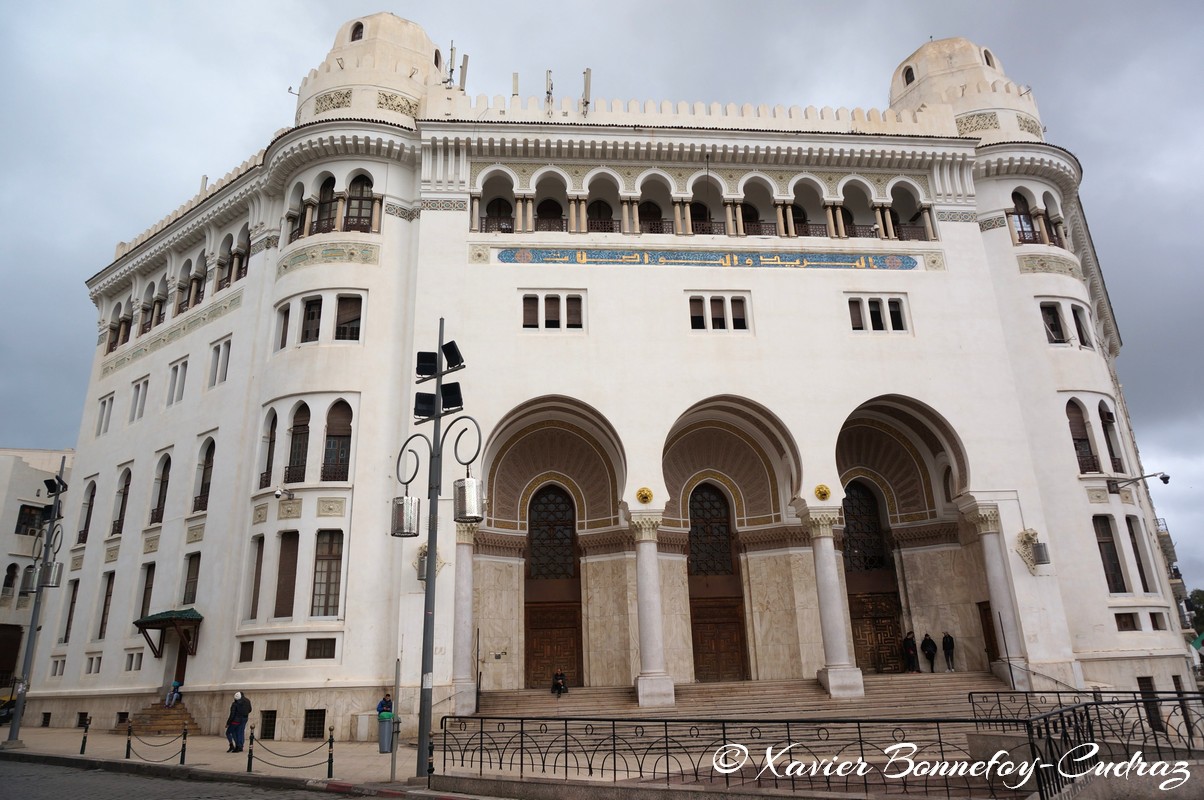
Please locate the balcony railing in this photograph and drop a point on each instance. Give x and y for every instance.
(294, 235)
(862, 231)
(201, 502)
(145, 325)
(118, 525)
(811, 229)
(760, 229)
(265, 479)
(656, 226)
(334, 472)
(361, 224)
(1026, 236)
(321, 226)
(551, 224)
(1088, 463)
(707, 227)
(82, 538)
(602, 225)
(242, 270)
(182, 306)
(156, 515)
(294, 473)
(1118, 465)
(223, 282)
(911, 233)
(497, 224)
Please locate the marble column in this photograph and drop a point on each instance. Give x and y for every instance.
(377, 201)
(654, 685)
(838, 214)
(928, 231)
(635, 217)
(309, 219)
(840, 676)
(689, 214)
(474, 219)
(791, 231)
(831, 219)
(986, 522)
(339, 209)
(677, 219)
(464, 674)
(1039, 221)
(779, 210)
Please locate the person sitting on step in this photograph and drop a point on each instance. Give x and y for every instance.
(559, 683)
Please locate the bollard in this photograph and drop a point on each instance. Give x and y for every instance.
(251, 748)
(330, 755)
(129, 735)
(83, 745)
(184, 744)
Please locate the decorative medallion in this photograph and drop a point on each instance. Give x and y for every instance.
(111, 553)
(150, 544)
(644, 495)
(260, 514)
(77, 562)
(331, 506)
(822, 492)
(289, 509)
(195, 534)
(478, 254)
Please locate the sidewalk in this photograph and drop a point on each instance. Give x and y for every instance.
(359, 767)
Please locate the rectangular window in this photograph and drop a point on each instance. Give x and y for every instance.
(315, 724)
(739, 321)
(103, 413)
(286, 575)
(1127, 622)
(1133, 526)
(148, 588)
(553, 310)
(192, 574)
(1109, 555)
(246, 652)
(347, 319)
(256, 578)
(328, 564)
(219, 363)
(697, 314)
(138, 399)
(319, 648)
(106, 602)
(282, 328)
(1153, 710)
(311, 321)
(267, 730)
(1081, 328)
(1051, 315)
(878, 313)
(277, 650)
(1158, 622)
(133, 661)
(29, 520)
(175, 382)
(74, 595)
(719, 312)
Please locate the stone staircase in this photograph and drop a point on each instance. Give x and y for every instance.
(155, 720)
(940, 695)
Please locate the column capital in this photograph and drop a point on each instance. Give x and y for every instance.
(820, 520)
(983, 516)
(466, 532)
(644, 526)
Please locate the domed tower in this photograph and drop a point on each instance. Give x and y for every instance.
(379, 68)
(970, 79)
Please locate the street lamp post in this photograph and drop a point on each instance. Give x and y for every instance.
(446, 400)
(46, 573)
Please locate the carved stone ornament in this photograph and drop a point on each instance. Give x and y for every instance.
(77, 562)
(1024, 548)
(439, 562)
(820, 523)
(289, 509)
(466, 532)
(150, 544)
(822, 492)
(195, 534)
(259, 514)
(331, 506)
(645, 526)
(111, 553)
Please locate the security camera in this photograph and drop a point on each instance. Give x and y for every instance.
(1164, 478)
(279, 493)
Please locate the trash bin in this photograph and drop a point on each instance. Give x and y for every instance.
(384, 733)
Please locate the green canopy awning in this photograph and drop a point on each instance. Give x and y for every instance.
(186, 622)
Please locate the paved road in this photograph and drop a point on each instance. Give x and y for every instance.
(23, 781)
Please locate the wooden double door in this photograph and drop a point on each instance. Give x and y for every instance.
(717, 628)
(553, 633)
(877, 640)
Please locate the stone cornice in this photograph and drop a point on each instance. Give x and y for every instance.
(926, 535)
(774, 538)
(596, 543)
(336, 138)
(495, 543)
(1032, 159)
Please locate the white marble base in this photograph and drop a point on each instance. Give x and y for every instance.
(464, 698)
(841, 681)
(655, 690)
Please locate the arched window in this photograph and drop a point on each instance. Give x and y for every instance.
(710, 540)
(1022, 221)
(357, 31)
(10, 580)
(298, 448)
(988, 58)
(123, 496)
(359, 205)
(499, 216)
(1081, 439)
(552, 535)
(909, 76)
(549, 216)
(1108, 421)
(86, 512)
(599, 217)
(265, 477)
(204, 478)
(324, 216)
(337, 455)
(864, 544)
(652, 219)
(161, 482)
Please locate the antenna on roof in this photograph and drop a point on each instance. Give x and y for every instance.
(514, 90)
(463, 71)
(451, 66)
(548, 102)
(585, 95)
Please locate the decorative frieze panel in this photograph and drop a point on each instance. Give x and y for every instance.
(77, 562)
(991, 223)
(506, 545)
(259, 514)
(408, 214)
(605, 542)
(266, 243)
(1050, 264)
(984, 121)
(332, 100)
(111, 553)
(1029, 125)
(195, 534)
(1097, 496)
(792, 259)
(149, 344)
(774, 538)
(329, 253)
(956, 216)
(332, 506)
(444, 205)
(926, 535)
(150, 544)
(289, 509)
(390, 101)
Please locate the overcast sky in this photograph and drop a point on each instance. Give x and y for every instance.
(116, 109)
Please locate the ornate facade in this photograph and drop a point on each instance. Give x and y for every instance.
(762, 389)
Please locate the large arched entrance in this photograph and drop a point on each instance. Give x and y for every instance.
(552, 612)
(874, 605)
(716, 595)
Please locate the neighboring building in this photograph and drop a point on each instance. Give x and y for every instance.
(761, 389)
(23, 498)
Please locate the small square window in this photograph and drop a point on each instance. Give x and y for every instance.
(315, 724)
(319, 648)
(1126, 622)
(1158, 622)
(277, 650)
(246, 652)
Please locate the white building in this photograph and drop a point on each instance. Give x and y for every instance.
(762, 389)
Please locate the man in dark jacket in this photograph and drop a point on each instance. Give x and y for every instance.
(947, 646)
(911, 661)
(236, 724)
(928, 648)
